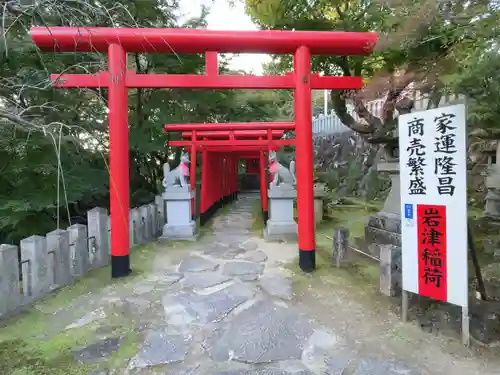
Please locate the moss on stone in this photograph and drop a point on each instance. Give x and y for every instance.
(128, 349)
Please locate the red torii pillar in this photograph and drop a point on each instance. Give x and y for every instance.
(118, 41)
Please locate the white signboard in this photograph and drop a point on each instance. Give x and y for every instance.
(432, 157)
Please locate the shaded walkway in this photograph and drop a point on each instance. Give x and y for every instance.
(225, 306)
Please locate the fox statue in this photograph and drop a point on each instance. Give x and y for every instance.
(177, 176)
(281, 174)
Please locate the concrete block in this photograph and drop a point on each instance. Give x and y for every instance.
(108, 227)
(281, 224)
(58, 250)
(160, 207)
(179, 224)
(79, 245)
(390, 270)
(131, 228)
(177, 232)
(146, 219)
(340, 245)
(10, 291)
(37, 278)
(99, 238)
(154, 220)
(138, 226)
(318, 211)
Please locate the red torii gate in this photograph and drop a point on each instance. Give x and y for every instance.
(235, 135)
(116, 42)
(251, 168)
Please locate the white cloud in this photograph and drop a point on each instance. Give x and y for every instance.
(225, 17)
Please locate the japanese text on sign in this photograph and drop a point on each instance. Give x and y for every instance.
(431, 229)
(416, 157)
(432, 147)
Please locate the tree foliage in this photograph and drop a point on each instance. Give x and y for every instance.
(417, 49)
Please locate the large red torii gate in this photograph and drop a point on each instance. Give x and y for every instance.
(116, 42)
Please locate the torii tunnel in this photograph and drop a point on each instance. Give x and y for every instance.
(221, 151)
(117, 42)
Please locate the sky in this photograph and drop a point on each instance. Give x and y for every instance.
(225, 17)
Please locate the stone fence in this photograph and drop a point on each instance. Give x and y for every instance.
(53, 261)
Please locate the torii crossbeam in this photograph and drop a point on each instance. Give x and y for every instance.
(116, 42)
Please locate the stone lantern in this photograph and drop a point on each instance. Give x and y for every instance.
(384, 228)
(383, 231)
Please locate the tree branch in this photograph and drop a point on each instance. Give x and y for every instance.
(340, 108)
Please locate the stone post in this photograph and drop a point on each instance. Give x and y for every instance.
(152, 215)
(160, 207)
(154, 219)
(98, 236)
(108, 228)
(146, 218)
(319, 194)
(180, 224)
(384, 228)
(391, 276)
(138, 226)
(79, 244)
(10, 291)
(340, 245)
(35, 267)
(131, 228)
(281, 224)
(58, 248)
(492, 205)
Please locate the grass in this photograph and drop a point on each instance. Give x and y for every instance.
(24, 349)
(362, 272)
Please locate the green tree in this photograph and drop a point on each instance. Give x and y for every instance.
(417, 46)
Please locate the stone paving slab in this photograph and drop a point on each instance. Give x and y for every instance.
(378, 367)
(265, 332)
(249, 277)
(269, 371)
(257, 256)
(197, 264)
(250, 245)
(229, 253)
(338, 363)
(212, 307)
(161, 348)
(238, 268)
(277, 286)
(204, 280)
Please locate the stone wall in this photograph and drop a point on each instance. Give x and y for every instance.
(45, 263)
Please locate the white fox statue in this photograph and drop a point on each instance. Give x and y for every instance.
(177, 176)
(280, 173)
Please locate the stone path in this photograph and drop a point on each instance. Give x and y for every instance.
(226, 306)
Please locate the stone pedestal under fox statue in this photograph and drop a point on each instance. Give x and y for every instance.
(178, 196)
